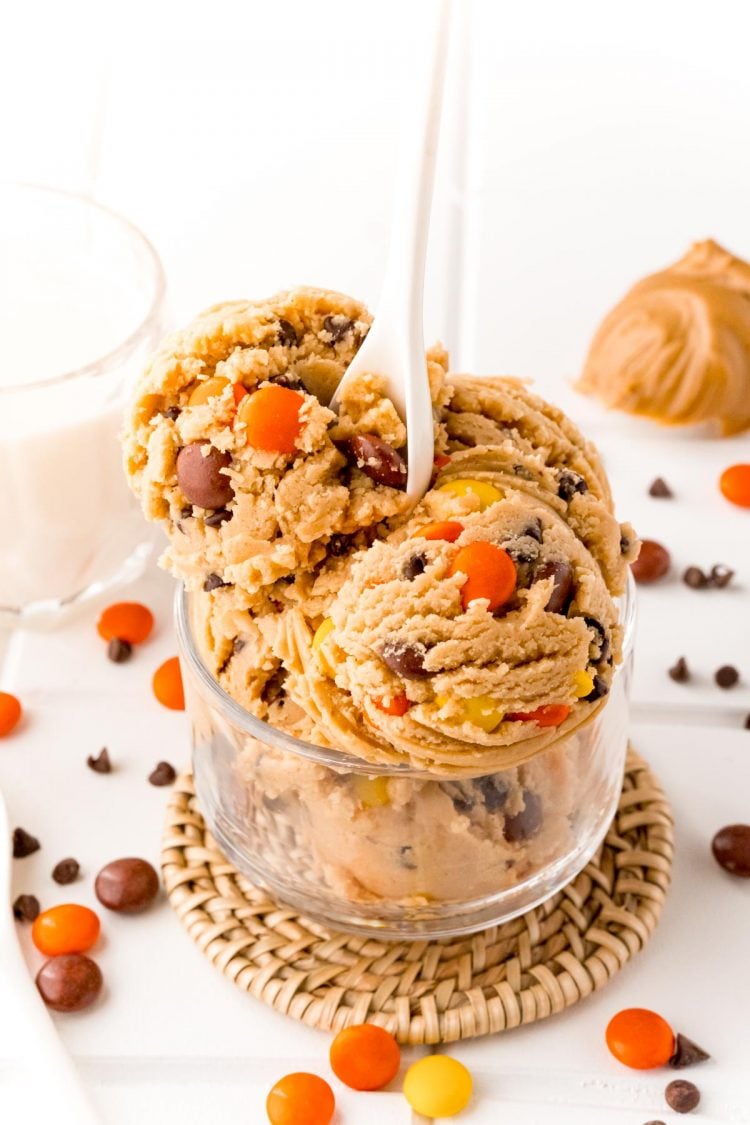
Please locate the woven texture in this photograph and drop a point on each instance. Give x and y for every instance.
(429, 991)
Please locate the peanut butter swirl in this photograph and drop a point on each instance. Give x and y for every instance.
(677, 347)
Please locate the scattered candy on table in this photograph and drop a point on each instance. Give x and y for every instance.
(731, 849)
(437, 1086)
(365, 1057)
(68, 928)
(640, 1038)
(734, 483)
(10, 712)
(127, 885)
(126, 621)
(301, 1099)
(652, 563)
(69, 982)
(682, 1096)
(167, 685)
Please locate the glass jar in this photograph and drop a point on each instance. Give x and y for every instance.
(402, 852)
(82, 306)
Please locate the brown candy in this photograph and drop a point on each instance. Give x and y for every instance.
(66, 871)
(652, 563)
(162, 774)
(561, 573)
(100, 763)
(404, 658)
(726, 676)
(378, 460)
(127, 885)
(26, 908)
(69, 982)
(686, 1053)
(682, 1096)
(731, 849)
(200, 478)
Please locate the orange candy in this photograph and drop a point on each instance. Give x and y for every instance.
(396, 705)
(10, 712)
(549, 716)
(640, 1038)
(734, 483)
(271, 417)
(449, 530)
(65, 929)
(128, 621)
(167, 685)
(300, 1099)
(365, 1057)
(490, 573)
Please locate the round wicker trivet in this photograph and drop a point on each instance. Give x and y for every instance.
(432, 991)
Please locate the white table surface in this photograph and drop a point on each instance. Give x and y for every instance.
(256, 150)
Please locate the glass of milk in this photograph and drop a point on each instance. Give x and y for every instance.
(81, 307)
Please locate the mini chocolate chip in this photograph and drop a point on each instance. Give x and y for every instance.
(660, 489)
(378, 460)
(405, 658)
(214, 582)
(695, 578)
(186, 512)
(652, 563)
(569, 483)
(66, 871)
(522, 472)
(162, 774)
(680, 672)
(720, 576)
(24, 843)
(406, 857)
(127, 885)
(26, 908)
(731, 849)
(119, 651)
(413, 567)
(173, 413)
(747, 722)
(534, 530)
(625, 544)
(200, 476)
(726, 676)
(337, 326)
(338, 545)
(494, 790)
(100, 763)
(287, 335)
(237, 645)
(599, 690)
(461, 794)
(561, 572)
(682, 1096)
(216, 519)
(273, 689)
(69, 982)
(288, 379)
(602, 640)
(687, 1053)
(527, 822)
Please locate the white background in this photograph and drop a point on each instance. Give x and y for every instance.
(585, 144)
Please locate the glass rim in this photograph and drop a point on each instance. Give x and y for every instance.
(236, 714)
(118, 354)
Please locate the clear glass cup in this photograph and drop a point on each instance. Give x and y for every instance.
(401, 852)
(82, 304)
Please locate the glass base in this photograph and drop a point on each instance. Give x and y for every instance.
(48, 612)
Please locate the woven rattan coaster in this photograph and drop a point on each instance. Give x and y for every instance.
(429, 991)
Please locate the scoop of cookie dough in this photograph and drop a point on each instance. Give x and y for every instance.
(232, 447)
(474, 640)
(677, 347)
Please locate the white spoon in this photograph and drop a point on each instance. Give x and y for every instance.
(46, 1078)
(394, 347)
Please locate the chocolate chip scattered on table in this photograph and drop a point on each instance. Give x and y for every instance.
(26, 908)
(687, 1053)
(652, 563)
(66, 871)
(682, 1096)
(726, 676)
(100, 763)
(24, 844)
(162, 774)
(660, 490)
(679, 672)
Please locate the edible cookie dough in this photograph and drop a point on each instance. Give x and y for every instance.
(232, 447)
(677, 347)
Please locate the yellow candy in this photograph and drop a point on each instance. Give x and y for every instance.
(437, 1086)
(210, 389)
(486, 493)
(321, 633)
(584, 684)
(372, 791)
(482, 711)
